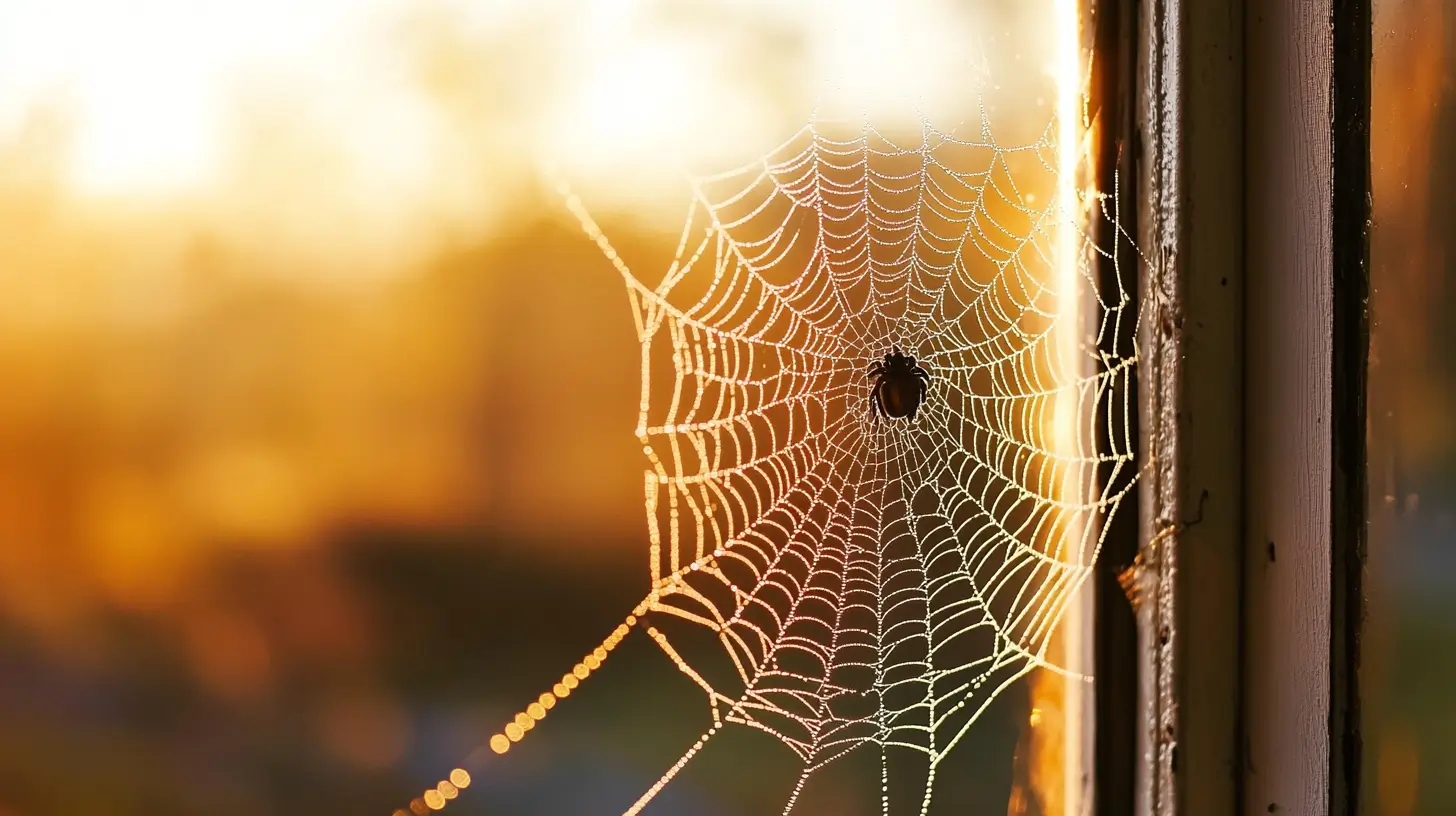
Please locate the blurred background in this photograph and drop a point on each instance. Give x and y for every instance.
(316, 426)
(1409, 650)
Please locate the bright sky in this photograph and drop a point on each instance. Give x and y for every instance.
(148, 84)
(152, 87)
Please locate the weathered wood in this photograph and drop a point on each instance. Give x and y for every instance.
(1253, 188)
(1288, 392)
(1208, 333)
(1159, 128)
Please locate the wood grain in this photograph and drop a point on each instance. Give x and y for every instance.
(1210, 416)
(1288, 388)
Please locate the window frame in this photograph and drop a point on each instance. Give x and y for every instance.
(1246, 134)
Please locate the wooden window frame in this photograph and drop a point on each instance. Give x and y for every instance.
(1244, 128)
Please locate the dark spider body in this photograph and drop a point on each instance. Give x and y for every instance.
(900, 385)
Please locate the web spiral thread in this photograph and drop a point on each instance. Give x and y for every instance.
(842, 581)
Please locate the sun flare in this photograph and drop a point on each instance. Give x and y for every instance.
(157, 95)
(301, 242)
(144, 85)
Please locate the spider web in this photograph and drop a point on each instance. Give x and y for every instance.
(841, 581)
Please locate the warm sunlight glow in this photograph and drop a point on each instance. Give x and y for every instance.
(145, 85)
(1061, 752)
(157, 95)
(142, 105)
(638, 104)
(918, 52)
(642, 97)
(290, 308)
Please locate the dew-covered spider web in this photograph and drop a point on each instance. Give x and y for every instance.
(846, 582)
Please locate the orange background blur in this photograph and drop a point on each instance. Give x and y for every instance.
(316, 414)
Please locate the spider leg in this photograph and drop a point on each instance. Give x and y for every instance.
(920, 371)
(875, 400)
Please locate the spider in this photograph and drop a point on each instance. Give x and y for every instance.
(900, 385)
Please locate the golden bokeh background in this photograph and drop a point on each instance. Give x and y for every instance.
(316, 435)
(316, 410)
(1407, 664)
